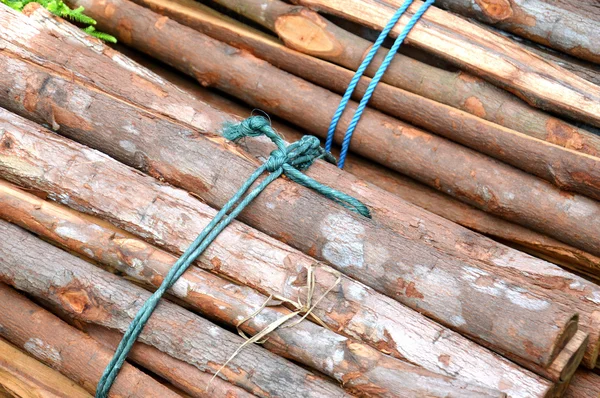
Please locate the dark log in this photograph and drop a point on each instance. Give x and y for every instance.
(61, 346)
(576, 34)
(171, 218)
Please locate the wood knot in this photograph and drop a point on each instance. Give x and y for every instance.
(496, 10)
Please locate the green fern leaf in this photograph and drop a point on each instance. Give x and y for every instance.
(100, 35)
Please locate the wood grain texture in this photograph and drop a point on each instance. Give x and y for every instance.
(64, 348)
(163, 173)
(361, 369)
(171, 218)
(489, 56)
(576, 34)
(585, 384)
(26, 377)
(94, 295)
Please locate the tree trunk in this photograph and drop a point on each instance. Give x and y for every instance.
(25, 377)
(492, 57)
(470, 176)
(536, 20)
(93, 295)
(585, 384)
(61, 346)
(358, 367)
(456, 89)
(171, 218)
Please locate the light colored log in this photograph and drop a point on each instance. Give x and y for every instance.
(25, 377)
(352, 308)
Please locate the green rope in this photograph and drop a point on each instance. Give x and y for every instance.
(289, 160)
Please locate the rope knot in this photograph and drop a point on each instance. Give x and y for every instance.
(276, 161)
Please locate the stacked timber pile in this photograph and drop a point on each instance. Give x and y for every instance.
(476, 274)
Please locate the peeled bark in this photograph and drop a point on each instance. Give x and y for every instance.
(25, 377)
(306, 31)
(358, 367)
(181, 374)
(567, 169)
(489, 56)
(172, 219)
(585, 384)
(470, 176)
(266, 211)
(62, 347)
(93, 295)
(536, 20)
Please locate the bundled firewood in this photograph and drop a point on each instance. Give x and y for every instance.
(397, 301)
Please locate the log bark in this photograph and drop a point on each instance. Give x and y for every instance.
(362, 370)
(410, 222)
(182, 375)
(537, 328)
(567, 169)
(489, 56)
(470, 176)
(65, 348)
(585, 384)
(25, 377)
(536, 20)
(93, 295)
(307, 32)
(352, 308)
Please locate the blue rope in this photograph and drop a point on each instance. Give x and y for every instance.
(376, 78)
(290, 160)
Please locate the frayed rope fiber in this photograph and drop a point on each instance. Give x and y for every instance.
(289, 160)
(375, 80)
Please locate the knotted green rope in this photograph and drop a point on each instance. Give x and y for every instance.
(289, 160)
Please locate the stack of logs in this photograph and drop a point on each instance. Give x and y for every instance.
(477, 275)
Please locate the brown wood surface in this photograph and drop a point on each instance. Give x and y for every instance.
(492, 57)
(25, 377)
(163, 170)
(360, 368)
(315, 35)
(575, 34)
(467, 175)
(93, 295)
(542, 331)
(172, 219)
(64, 348)
(565, 168)
(585, 384)
(181, 374)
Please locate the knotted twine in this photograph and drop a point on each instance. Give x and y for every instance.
(376, 78)
(290, 160)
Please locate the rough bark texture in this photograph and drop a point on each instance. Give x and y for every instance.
(585, 384)
(358, 367)
(456, 89)
(25, 377)
(492, 57)
(181, 374)
(567, 169)
(63, 347)
(93, 295)
(468, 175)
(171, 218)
(576, 34)
(391, 211)
(541, 332)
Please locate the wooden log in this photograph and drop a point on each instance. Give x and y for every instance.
(489, 56)
(410, 222)
(25, 377)
(537, 330)
(299, 29)
(358, 367)
(585, 384)
(181, 374)
(567, 169)
(65, 348)
(352, 308)
(536, 20)
(473, 178)
(94, 295)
